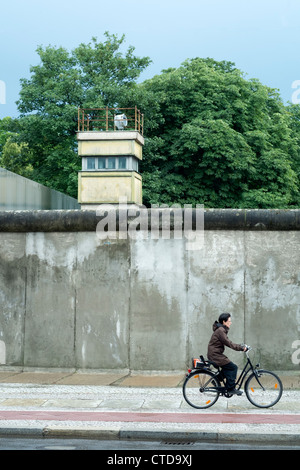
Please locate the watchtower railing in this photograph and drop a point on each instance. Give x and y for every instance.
(110, 119)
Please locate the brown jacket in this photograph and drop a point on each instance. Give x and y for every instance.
(217, 345)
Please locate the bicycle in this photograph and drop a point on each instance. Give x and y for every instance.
(202, 386)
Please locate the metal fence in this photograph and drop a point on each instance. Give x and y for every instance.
(110, 119)
(17, 193)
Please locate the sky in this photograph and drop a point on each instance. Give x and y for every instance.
(262, 37)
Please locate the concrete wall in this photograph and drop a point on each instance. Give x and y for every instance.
(19, 193)
(70, 299)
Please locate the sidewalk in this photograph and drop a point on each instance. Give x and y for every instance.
(114, 405)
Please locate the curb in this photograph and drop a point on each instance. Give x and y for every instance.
(184, 437)
(21, 432)
(174, 436)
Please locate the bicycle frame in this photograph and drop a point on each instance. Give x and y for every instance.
(247, 368)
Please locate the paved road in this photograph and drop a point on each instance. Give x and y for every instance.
(173, 447)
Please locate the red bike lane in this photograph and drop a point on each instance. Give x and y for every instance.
(159, 417)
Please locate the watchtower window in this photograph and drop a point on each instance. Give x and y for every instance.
(122, 163)
(101, 163)
(91, 163)
(134, 164)
(110, 163)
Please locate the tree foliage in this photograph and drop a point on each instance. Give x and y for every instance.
(212, 136)
(216, 138)
(97, 74)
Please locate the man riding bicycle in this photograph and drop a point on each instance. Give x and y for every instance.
(215, 352)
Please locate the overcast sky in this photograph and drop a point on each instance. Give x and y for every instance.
(262, 37)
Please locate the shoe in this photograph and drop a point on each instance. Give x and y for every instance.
(235, 392)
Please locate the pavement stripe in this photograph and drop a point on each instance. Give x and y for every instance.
(126, 416)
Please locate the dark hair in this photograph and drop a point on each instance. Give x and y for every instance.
(224, 317)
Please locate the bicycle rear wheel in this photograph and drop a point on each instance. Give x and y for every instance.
(263, 389)
(200, 389)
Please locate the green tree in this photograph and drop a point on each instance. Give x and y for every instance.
(16, 158)
(9, 128)
(212, 136)
(215, 138)
(97, 74)
(294, 124)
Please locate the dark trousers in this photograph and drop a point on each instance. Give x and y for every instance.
(230, 371)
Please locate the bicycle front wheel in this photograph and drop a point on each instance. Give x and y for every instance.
(200, 389)
(263, 388)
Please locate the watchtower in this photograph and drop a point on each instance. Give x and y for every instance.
(110, 142)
